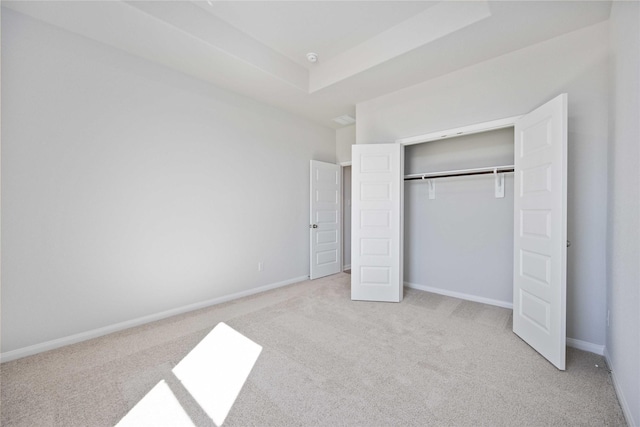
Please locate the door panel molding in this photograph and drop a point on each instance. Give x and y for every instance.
(325, 214)
(540, 230)
(377, 222)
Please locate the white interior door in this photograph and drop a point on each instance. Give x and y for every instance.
(540, 230)
(325, 219)
(377, 176)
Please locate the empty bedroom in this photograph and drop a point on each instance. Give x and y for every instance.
(274, 213)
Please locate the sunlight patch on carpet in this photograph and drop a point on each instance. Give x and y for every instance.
(159, 407)
(217, 368)
(213, 373)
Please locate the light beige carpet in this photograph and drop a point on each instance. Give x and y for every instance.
(430, 360)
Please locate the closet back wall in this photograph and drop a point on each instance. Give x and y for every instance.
(516, 83)
(129, 189)
(461, 242)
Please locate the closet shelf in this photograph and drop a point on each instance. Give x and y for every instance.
(460, 172)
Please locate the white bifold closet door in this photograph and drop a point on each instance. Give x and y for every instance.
(540, 227)
(540, 230)
(377, 189)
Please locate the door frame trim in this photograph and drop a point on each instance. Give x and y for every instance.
(343, 165)
(459, 131)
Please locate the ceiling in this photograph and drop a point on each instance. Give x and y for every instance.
(365, 48)
(324, 27)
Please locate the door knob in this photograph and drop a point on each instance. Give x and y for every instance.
(313, 226)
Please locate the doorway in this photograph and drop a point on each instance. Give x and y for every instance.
(346, 218)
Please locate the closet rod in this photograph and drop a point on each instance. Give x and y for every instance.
(460, 172)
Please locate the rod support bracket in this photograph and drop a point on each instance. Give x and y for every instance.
(499, 183)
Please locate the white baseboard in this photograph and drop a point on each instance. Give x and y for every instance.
(586, 346)
(95, 333)
(346, 267)
(460, 295)
(626, 410)
(571, 342)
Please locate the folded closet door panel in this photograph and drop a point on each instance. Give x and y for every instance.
(540, 229)
(376, 235)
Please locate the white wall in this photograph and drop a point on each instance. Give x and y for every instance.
(514, 84)
(623, 225)
(461, 242)
(345, 138)
(129, 189)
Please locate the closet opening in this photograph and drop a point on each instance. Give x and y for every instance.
(459, 216)
(464, 236)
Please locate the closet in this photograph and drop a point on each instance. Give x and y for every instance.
(469, 234)
(458, 216)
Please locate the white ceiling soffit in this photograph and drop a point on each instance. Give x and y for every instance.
(398, 45)
(225, 38)
(174, 33)
(423, 28)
